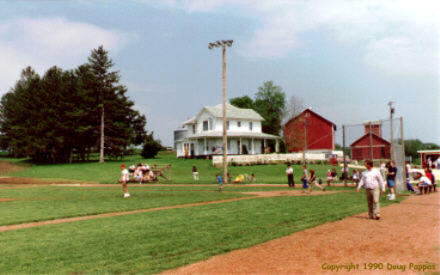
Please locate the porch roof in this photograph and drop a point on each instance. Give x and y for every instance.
(219, 134)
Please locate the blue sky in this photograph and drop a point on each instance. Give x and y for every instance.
(345, 59)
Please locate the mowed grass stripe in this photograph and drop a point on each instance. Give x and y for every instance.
(48, 203)
(76, 219)
(155, 241)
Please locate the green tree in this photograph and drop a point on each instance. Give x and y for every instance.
(54, 117)
(412, 146)
(106, 82)
(151, 147)
(270, 102)
(242, 102)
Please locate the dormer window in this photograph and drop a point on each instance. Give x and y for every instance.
(238, 123)
(194, 128)
(205, 125)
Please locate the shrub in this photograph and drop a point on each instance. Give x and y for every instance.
(151, 147)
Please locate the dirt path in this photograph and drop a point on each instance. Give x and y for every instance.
(407, 235)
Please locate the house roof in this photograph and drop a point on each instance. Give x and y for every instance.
(232, 112)
(314, 113)
(367, 134)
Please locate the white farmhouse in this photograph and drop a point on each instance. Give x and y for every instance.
(201, 136)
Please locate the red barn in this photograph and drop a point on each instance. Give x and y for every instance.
(311, 131)
(362, 147)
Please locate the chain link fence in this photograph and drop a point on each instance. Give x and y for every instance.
(378, 140)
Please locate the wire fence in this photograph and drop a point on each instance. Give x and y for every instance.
(380, 141)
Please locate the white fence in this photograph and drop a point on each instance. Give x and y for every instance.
(217, 161)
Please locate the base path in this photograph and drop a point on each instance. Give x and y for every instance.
(407, 236)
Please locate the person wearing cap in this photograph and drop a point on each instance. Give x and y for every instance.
(372, 180)
(124, 179)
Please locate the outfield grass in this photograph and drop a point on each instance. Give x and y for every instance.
(109, 172)
(48, 202)
(155, 241)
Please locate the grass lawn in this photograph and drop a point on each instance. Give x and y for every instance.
(109, 172)
(155, 241)
(50, 202)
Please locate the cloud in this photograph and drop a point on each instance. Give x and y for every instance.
(42, 43)
(396, 36)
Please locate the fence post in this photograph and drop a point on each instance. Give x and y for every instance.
(343, 154)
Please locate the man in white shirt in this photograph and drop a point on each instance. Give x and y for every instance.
(372, 180)
(289, 173)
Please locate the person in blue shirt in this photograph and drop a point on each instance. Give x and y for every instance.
(220, 182)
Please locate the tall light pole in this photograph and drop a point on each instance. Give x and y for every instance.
(223, 44)
(390, 104)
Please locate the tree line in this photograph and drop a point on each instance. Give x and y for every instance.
(70, 113)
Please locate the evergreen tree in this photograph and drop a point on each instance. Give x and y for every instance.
(105, 85)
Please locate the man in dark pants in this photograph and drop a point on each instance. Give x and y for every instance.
(289, 173)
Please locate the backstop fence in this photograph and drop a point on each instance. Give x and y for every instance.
(378, 140)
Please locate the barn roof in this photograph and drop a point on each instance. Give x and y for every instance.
(314, 113)
(368, 134)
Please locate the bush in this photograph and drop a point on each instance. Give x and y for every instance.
(151, 147)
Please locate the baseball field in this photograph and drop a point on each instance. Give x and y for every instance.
(72, 218)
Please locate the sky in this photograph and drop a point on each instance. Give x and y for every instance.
(345, 59)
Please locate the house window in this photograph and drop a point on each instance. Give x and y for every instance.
(205, 125)
(210, 124)
(194, 128)
(250, 125)
(227, 125)
(229, 145)
(238, 123)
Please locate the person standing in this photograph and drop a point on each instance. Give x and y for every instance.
(195, 173)
(289, 173)
(220, 182)
(391, 180)
(304, 178)
(372, 180)
(124, 179)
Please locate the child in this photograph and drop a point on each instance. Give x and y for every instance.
(304, 178)
(289, 173)
(355, 177)
(391, 178)
(219, 181)
(252, 177)
(195, 173)
(124, 179)
(312, 180)
(138, 173)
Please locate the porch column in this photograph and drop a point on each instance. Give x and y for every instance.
(264, 145)
(204, 146)
(253, 147)
(241, 147)
(277, 146)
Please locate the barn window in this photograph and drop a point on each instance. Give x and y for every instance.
(383, 152)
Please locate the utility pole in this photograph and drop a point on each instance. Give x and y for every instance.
(371, 142)
(223, 44)
(305, 140)
(390, 104)
(343, 154)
